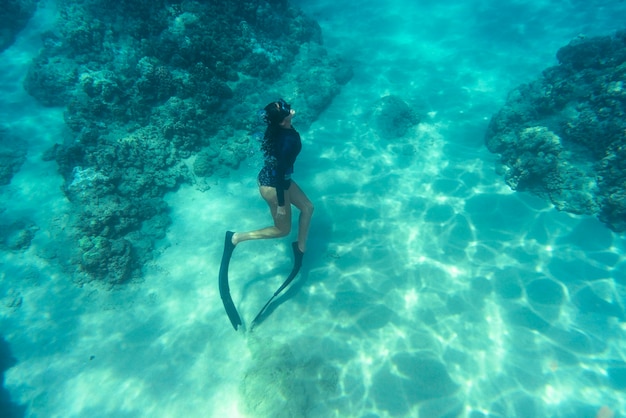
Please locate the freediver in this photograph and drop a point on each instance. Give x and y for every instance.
(281, 145)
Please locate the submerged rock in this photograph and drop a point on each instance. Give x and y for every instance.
(393, 117)
(562, 136)
(18, 235)
(278, 385)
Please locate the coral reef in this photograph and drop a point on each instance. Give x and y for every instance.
(563, 136)
(14, 15)
(158, 94)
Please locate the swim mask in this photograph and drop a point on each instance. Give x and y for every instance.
(284, 107)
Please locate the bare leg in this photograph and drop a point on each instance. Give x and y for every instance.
(299, 200)
(282, 223)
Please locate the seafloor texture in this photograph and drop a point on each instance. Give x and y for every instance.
(429, 287)
(564, 135)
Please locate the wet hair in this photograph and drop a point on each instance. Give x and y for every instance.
(275, 113)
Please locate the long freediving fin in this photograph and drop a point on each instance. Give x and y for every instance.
(227, 300)
(297, 263)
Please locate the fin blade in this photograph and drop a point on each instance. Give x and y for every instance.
(227, 300)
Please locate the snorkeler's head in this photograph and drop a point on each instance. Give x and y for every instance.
(276, 112)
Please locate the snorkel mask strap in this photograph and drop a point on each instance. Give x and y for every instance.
(285, 108)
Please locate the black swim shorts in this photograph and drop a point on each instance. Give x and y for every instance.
(267, 177)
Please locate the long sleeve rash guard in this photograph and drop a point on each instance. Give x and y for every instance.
(288, 146)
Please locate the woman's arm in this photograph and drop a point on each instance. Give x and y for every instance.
(286, 157)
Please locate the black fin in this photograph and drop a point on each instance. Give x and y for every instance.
(227, 300)
(297, 263)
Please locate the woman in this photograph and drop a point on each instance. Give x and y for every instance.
(281, 145)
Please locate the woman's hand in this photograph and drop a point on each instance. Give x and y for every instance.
(281, 211)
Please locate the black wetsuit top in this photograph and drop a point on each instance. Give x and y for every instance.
(279, 166)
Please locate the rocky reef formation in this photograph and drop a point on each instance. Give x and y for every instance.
(14, 15)
(393, 117)
(158, 93)
(563, 136)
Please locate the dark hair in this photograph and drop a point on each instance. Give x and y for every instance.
(275, 113)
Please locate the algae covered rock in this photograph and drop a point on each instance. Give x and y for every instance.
(205, 162)
(562, 135)
(393, 117)
(17, 236)
(277, 384)
(106, 259)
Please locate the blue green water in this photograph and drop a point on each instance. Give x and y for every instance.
(429, 289)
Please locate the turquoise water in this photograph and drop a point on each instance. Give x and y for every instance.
(429, 289)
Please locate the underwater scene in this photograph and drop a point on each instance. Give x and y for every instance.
(466, 161)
